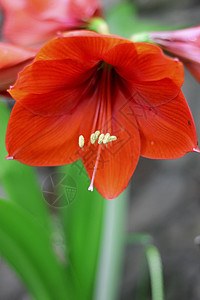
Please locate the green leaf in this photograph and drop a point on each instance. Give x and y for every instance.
(26, 246)
(19, 181)
(143, 282)
(82, 222)
(155, 267)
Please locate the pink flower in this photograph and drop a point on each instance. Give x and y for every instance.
(29, 22)
(13, 59)
(184, 43)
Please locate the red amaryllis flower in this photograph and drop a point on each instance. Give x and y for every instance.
(28, 22)
(85, 85)
(13, 59)
(185, 44)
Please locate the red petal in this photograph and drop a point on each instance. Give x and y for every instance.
(43, 141)
(51, 88)
(55, 103)
(67, 64)
(147, 63)
(81, 46)
(152, 93)
(156, 66)
(122, 55)
(168, 130)
(46, 76)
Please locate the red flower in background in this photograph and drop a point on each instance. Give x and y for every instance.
(30, 22)
(184, 44)
(86, 84)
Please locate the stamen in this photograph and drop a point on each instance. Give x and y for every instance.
(112, 138)
(97, 133)
(101, 138)
(93, 138)
(81, 141)
(106, 138)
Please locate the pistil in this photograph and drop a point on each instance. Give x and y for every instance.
(101, 138)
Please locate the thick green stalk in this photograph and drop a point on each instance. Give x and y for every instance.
(112, 248)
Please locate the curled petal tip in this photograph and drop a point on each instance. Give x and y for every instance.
(9, 157)
(196, 150)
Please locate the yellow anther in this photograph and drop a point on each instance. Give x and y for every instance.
(81, 141)
(106, 138)
(97, 133)
(101, 137)
(93, 138)
(112, 138)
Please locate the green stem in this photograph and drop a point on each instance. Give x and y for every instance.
(99, 25)
(155, 268)
(140, 37)
(112, 247)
